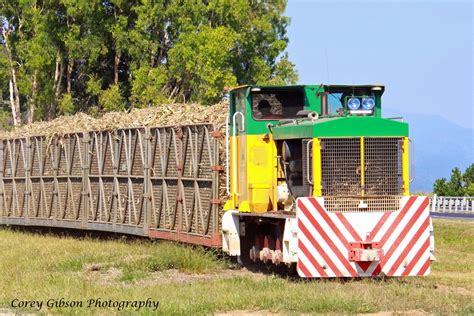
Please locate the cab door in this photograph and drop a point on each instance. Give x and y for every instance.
(238, 148)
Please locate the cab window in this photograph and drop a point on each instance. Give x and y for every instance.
(335, 102)
(277, 105)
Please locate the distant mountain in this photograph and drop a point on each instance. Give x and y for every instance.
(440, 145)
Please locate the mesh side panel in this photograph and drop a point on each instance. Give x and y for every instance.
(372, 204)
(383, 166)
(340, 166)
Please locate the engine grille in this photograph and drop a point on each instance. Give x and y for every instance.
(340, 166)
(350, 183)
(383, 166)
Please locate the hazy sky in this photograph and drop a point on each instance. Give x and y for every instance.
(421, 51)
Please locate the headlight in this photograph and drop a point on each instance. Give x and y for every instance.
(368, 103)
(353, 104)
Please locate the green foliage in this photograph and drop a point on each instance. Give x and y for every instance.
(94, 86)
(284, 73)
(66, 104)
(204, 57)
(440, 187)
(469, 190)
(29, 48)
(468, 176)
(459, 184)
(111, 99)
(455, 184)
(148, 86)
(5, 120)
(140, 53)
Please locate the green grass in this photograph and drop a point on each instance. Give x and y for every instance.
(190, 280)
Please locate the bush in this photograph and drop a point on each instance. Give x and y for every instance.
(66, 105)
(460, 184)
(111, 99)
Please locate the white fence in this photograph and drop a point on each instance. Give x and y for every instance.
(452, 204)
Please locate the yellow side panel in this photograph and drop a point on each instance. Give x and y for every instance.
(406, 166)
(242, 169)
(253, 181)
(261, 173)
(317, 188)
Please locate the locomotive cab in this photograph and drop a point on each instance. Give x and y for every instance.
(272, 134)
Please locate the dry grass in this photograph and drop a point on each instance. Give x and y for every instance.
(192, 281)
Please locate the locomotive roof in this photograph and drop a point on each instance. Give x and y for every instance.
(337, 86)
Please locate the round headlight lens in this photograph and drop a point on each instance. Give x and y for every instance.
(368, 103)
(353, 104)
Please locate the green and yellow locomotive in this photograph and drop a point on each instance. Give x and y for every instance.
(320, 179)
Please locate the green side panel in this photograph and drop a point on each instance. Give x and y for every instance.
(342, 127)
(289, 131)
(238, 103)
(378, 106)
(313, 101)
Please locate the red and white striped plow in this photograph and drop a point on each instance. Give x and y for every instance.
(363, 244)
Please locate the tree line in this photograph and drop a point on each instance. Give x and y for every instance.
(459, 184)
(63, 56)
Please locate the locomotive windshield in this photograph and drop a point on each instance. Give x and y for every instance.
(353, 99)
(277, 104)
(335, 102)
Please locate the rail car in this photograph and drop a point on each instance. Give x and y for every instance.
(309, 176)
